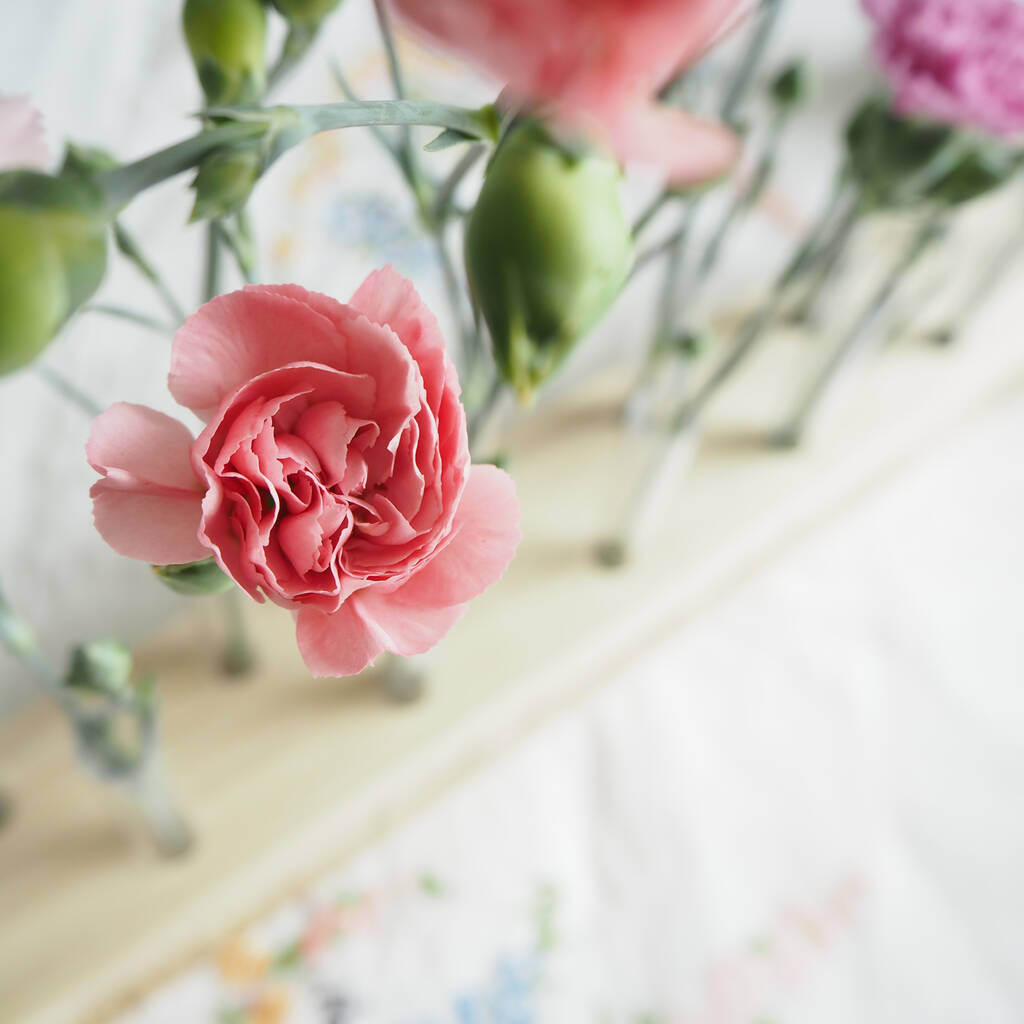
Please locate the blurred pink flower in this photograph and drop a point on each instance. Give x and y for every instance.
(597, 65)
(22, 144)
(333, 476)
(959, 62)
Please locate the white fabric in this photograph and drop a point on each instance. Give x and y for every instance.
(804, 808)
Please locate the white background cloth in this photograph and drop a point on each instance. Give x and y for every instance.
(803, 809)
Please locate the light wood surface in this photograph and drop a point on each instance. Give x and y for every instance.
(284, 776)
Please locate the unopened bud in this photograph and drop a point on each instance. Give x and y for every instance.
(224, 181)
(306, 12)
(101, 666)
(547, 251)
(53, 255)
(790, 87)
(227, 41)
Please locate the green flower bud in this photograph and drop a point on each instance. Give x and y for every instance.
(790, 87)
(194, 579)
(53, 255)
(101, 666)
(982, 168)
(885, 151)
(224, 181)
(227, 41)
(547, 251)
(306, 12)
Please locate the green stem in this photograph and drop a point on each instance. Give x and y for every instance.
(70, 391)
(211, 266)
(824, 381)
(122, 184)
(239, 656)
(397, 77)
(288, 126)
(140, 780)
(744, 198)
(827, 263)
(297, 44)
(131, 315)
(477, 124)
(445, 195)
(994, 273)
(350, 94)
(130, 248)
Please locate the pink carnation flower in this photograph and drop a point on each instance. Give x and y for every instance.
(22, 144)
(959, 62)
(333, 476)
(598, 65)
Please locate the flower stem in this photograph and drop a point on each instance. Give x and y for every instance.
(239, 657)
(131, 315)
(130, 248)
(147, 791)
(296, 45)
(122, 184)
(397, 79)
(824, 381)
(827, 264)
(994, 272)
(66, 389)
(137, 776)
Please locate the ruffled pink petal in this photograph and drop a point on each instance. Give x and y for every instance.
(158, 526)
(690, 151)
(404, 628)
(143, 442)
(485, 534)
(241, 335)
(337, 643)
(387, 298)
(148, 504)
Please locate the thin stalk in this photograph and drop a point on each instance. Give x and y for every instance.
(744, 198)
(994, 273)
(131, 315)
(122, 184)
(445, 195)
(239, 250)
(397, 77)
(130, 248)
(673, 291)
(212, 264)
(66, 389)
(468, 336)
(350, 94)
(826, 266)
(297, 44)
(239, 658)
(824, 381)
(653, 208)
(481, 416)
(140, 779)
(288, 126)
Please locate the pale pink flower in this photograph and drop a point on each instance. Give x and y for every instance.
(959, 62)
(333, 476)
(22, 143)
(597, 65)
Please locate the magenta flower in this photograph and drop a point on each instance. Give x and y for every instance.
(333, 476)
(597, 66)
(959, 62)
(22, 145)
